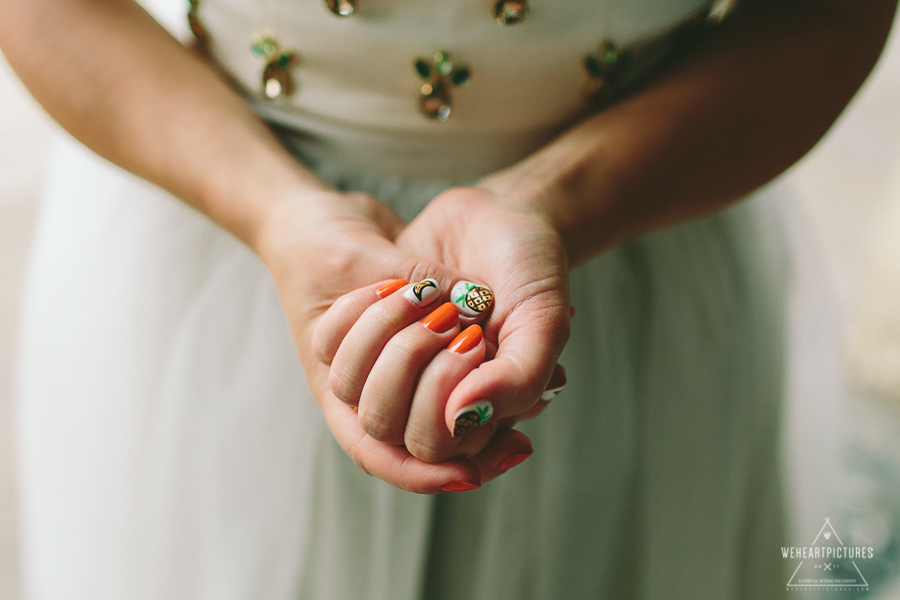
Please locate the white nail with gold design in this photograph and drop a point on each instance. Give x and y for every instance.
(423, 293)
(471, 299)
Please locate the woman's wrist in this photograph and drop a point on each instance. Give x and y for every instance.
(290, 218)
(705, 133)
(327, 233)
(550, 192)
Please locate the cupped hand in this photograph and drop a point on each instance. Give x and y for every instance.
(381, 358)
(319, 251)
(513, 248)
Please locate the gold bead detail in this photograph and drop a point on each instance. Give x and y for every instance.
(510, 12)
(277, 79)
(440, 74)
(602, 70)
(342, 8)
(197, 28)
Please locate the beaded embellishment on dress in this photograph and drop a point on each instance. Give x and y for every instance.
(440, 74)
(277, 78)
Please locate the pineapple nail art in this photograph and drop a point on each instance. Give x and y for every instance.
(471, 299)
(471, 416)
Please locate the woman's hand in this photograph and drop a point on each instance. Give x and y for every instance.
(321, 248)
(514, 250)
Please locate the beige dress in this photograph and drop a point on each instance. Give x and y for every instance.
(168, 446)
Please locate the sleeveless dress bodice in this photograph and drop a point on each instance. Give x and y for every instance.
(357, 87)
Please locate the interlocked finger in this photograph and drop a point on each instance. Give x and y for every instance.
(384, 404)
(363, 343)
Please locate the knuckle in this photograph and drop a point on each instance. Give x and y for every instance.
(342, 305)
(331, 328)
(379, 426)
(426, 447)
(321, 347)
(383, 317)
(416, 269)
(404, 350)
(344, 385)
(427, 453)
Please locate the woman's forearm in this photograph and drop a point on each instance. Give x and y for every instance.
(747, 103)
(116, 80)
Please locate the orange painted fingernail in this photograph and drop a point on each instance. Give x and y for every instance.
(467, 339)
(442, 319)
(512, 460)
(389, 288)
(460, 486)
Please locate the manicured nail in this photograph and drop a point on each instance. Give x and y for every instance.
(460, 486)
(512, 460)
(423, 293)
(556, 384)
(471, 299)
(552, 393)
(469, 417)
(389, 288)
(467, 339)
(441, 319)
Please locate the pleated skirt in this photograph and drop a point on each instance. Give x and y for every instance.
(168, 446)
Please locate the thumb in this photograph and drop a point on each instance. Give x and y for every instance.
(512, 382)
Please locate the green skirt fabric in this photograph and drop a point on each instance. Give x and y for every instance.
(169, 448)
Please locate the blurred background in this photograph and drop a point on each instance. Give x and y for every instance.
(847, 215)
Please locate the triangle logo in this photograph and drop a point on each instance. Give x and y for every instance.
(827, 564)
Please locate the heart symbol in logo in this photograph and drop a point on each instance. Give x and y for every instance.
(827, 534)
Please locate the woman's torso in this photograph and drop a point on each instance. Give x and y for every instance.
(357, 91)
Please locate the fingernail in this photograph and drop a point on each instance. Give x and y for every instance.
(423, 293)
(469, 417)
(471, 299)
(552, 393)
(556, 384)
(512, 460)
(467, 339)
(460, 486)
(441, 319)
(389, 288)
